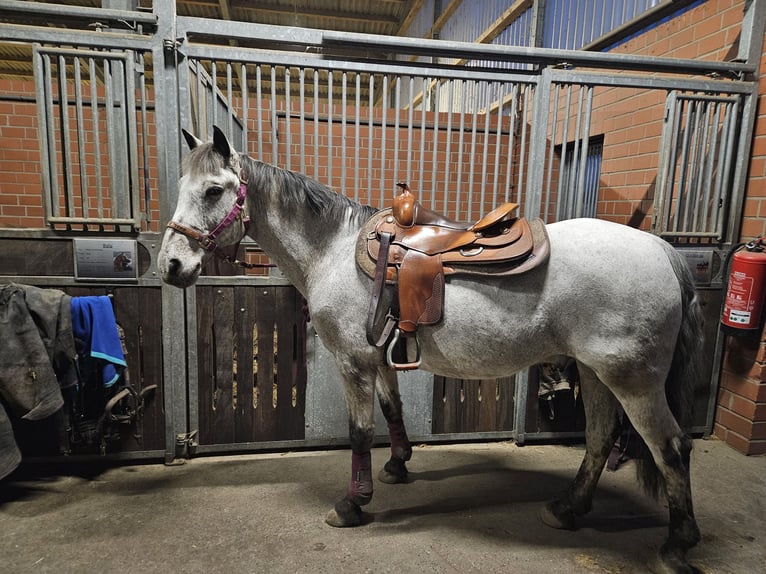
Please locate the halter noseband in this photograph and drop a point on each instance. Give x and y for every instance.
(207, 240)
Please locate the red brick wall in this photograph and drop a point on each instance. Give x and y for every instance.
(20, 171)
(741, 416)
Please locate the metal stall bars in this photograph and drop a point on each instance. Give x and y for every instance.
(98, 184)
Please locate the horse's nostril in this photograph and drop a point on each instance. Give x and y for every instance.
(173, 266)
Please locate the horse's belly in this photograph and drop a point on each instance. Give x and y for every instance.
(488, 330)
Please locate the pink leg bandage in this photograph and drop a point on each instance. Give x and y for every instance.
(360, 486)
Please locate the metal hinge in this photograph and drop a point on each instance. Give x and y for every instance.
(185, 443)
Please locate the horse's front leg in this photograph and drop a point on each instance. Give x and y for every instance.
(359, 385)
(395, 470)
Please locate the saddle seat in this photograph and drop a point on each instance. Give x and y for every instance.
(414, 248)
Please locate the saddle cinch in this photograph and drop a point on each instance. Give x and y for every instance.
(413, 248)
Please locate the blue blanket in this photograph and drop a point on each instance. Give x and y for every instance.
(94, 324)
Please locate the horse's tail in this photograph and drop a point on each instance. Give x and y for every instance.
(684, 369)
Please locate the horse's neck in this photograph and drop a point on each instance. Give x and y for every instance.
(300, 244)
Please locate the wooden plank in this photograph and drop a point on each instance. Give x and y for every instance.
(150, 325)
(244, 413)
(290, 419)
(300, 364)
(266, 314)
(126, 313)
(205, 363)
(223, 353)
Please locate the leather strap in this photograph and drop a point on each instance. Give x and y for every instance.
(377, 291)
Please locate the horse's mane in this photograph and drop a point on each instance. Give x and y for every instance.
(294, 189)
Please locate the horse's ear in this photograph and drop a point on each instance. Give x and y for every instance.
(191, 141)
(220, 143)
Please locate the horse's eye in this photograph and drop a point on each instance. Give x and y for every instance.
(214, 191)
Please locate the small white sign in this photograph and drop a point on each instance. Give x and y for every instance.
(105, 259)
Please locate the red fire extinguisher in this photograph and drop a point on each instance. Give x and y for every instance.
(746, 292)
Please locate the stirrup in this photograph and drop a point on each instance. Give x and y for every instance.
(402, 366)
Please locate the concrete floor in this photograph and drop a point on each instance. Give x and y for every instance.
(468, 508)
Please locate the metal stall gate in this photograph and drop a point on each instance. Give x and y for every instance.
(467, 125)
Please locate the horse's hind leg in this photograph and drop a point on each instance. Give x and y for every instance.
(395, 470)
(671, 451)
(601, 431)
(359, 385)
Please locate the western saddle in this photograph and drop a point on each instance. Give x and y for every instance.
(413, 248)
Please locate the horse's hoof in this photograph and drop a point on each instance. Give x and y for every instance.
(345, 514)
(394, 472)
(554, 516)
(671, 561)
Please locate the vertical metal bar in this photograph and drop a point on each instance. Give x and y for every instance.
(302, 116)
(245, 107)
(423, 128)
(732, 140)
(119, 175)
(472, 158)
(448, 151)
(288, 121)
(719, 192)
(329, 128)
(214, 90)
(551, 154)
(357, 143)
(435, 151)
(343, 92)
(712, 152)
(397, 101)
(44, 130)
(409, 129)
(459, 186)
(584, 150)
(259, 109)
(81, 138)
(144, 140)
(383, 142)
(485, 150)
(498, 140)
(201, 100)
(132, 155)
(562, 192)
(274, 120)
(540, 100)
(316, 124)
(229, 110)
(528, 97)
(511, 141)
(66, 150)
(370, 130)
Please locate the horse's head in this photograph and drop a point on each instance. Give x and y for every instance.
(209, 214)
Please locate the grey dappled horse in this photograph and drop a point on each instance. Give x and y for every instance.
(619, 301)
